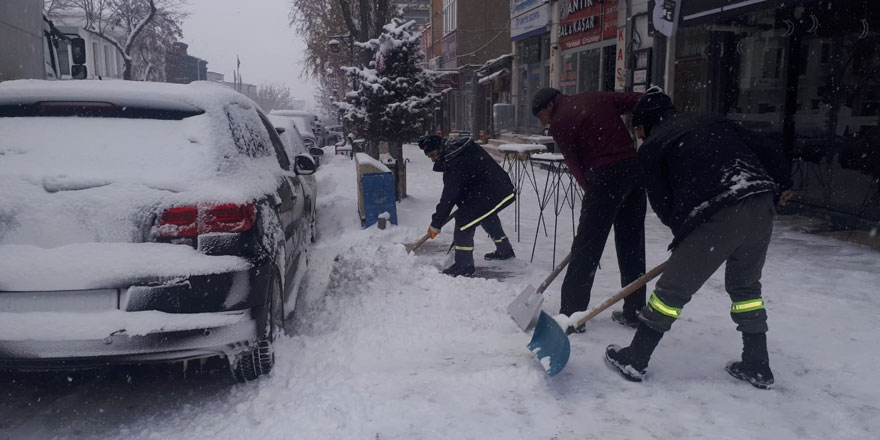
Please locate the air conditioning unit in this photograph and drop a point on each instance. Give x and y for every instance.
(502, 117)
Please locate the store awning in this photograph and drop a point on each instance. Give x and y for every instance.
(493, 76)
(694, 10)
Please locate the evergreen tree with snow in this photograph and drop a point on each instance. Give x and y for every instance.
(395, 94)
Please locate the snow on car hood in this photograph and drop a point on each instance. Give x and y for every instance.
(104, 265)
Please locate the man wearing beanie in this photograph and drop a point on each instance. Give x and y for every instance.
(714, 184)
(600, 154)
(480, 188)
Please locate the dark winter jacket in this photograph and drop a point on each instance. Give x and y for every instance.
(697, 164)
(590, 134)
(473, 181)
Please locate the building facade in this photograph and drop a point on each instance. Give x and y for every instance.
(22, 54)
(806, 73)
(183, 68)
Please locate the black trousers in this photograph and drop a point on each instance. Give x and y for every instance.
(464, 240)
(615, 197)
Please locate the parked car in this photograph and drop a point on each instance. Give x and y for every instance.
(305, 123)
(334, 134)
(294, 145)
(145, 222)
(287, 130)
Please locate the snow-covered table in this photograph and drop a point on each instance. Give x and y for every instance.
(560, 187)
(518, 164)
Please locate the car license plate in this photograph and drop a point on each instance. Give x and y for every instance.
(60, 301)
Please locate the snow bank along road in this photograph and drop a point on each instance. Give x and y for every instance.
(385, 347)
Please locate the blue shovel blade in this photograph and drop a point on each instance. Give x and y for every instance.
(550, 343)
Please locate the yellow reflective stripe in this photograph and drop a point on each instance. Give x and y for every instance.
(658, 305)
(479, 219)
(747, 306)
(501, 239)
(464, 248)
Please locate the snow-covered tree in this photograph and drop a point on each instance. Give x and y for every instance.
(395, 96)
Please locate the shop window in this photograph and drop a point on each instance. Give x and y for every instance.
(608, 65)
(588, 70)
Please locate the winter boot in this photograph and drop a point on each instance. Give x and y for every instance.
(632, 362)
(503, 250)
(755, 365)
(623, 318)
(463, 265)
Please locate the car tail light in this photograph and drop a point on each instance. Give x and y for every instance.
(227, 217)
(190, 221)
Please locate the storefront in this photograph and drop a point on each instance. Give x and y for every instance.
(588, 44)
(806, 73)
(530, 33)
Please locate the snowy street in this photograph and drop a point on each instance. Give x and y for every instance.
(383, 346)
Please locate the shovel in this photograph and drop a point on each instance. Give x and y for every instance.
(524, 309)
(425, 238)
(550, 342)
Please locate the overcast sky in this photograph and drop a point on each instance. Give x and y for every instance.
(256, 31)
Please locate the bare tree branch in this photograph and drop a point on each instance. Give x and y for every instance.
(349, 21)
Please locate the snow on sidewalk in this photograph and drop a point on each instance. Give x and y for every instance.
(385, 347)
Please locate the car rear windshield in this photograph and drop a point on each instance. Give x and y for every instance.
(157, 152)
(96, 109)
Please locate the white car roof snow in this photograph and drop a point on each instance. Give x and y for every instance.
(199, 95)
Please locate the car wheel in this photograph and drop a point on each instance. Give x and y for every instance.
(261, 358)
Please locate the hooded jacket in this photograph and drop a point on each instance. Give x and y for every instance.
(473, 181)
(697, 164)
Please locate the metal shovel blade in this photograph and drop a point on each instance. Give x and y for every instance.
(524, 309)
(550, 344)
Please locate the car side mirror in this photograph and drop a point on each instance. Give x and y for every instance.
(304, 165)
(78, 50)
(79, 71)
(315, 151)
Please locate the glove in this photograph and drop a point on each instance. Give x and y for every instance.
(432, 232)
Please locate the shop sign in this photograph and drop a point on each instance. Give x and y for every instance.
(609, 20)
(663, 16)
(535, 72)
(517, 7)
(531, 23)
(447, 80)
(620, 61)
(581, 22)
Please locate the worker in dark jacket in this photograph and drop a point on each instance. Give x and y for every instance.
(714, 184)
(474, 182)
(600, 154)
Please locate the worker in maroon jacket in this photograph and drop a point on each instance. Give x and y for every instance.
(600, 154)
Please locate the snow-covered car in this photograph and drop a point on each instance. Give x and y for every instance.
(304, 123)
(145, 222)
(293, 139)
(294, 146)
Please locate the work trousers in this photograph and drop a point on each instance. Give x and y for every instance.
(615, 196)
(739, 235)
(464, 240)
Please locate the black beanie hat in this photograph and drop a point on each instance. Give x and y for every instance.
(652, 107)
(542, 98)
(430, 143)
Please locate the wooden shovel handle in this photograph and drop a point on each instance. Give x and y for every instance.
(630, 288)
(425, 238)
(553, 274)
